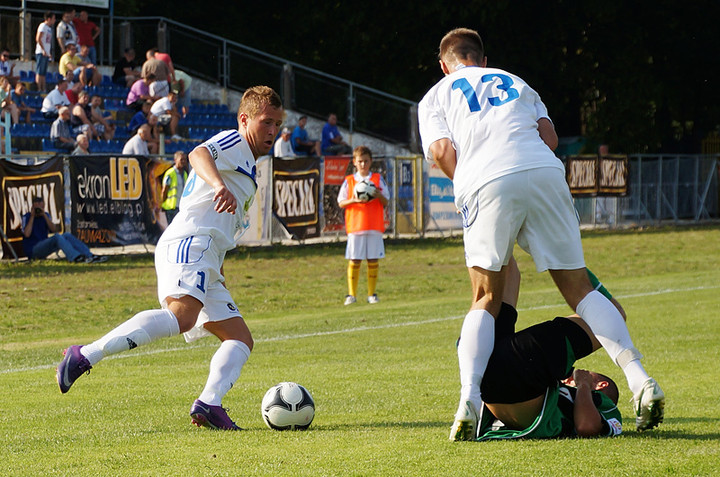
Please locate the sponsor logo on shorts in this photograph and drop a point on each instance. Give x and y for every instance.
(232, 307)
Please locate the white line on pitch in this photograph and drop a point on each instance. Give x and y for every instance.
(353, 330)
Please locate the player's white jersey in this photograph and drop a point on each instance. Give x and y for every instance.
(197, 215)
(491, 117)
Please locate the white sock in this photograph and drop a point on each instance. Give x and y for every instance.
(225, 367)
(477, 339)
(139, 330)
(610, 329)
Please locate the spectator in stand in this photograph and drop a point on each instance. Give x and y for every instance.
(182, 85)
(301, 143)
(283, 147)
(332, 141)
(139, 118)
(60, 131)
(125, 73)
(18, 97)
(54, 100)
(137, 145)
(82, 119)
(83, 146)
(165, 58)
(87, 32)
(140, 93)
(102, 119)
(84, 71)
(66, 32)
(43, 49)
(167, 114)
(6, 103)
(37, 224)
(161, 70)
(74, 87)
(7, 68)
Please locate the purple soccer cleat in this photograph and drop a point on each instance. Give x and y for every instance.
(73, 365)
(214, 417)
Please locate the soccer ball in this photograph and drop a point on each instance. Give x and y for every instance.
(364, 190)
(288, 406)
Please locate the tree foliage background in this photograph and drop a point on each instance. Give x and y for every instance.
(641, 76)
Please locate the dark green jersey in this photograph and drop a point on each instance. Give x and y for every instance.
(555, 418)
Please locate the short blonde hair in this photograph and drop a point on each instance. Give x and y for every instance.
(255, 98)
(362, 151)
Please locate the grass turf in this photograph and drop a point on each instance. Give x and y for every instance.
(384, 377)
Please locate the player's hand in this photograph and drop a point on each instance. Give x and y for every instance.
(224, 200)
(582, 377)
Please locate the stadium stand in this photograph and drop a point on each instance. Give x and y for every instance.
(204, 120)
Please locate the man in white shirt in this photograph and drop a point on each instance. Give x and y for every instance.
(283, 146)
(189, 260)
(137, 145)
(490, 133)
(54, 100)
(167, 113)
(43, 49)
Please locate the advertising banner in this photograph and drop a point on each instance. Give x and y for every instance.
(19, 185)
(442, 210)
(296, 186)
(590, 175)
(115, 199)
(336, 168)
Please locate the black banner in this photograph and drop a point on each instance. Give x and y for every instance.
(114, 199)
(296, 186)
(590, 175)
(19, 185)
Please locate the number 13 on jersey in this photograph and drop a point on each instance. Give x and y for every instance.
(471, 95)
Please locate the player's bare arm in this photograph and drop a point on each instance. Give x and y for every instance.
(443, 154)
(204, 166)
(547, 133)
(588, 422)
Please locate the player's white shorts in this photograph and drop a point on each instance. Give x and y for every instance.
(535, 207)
(368, 245)
(191, 266)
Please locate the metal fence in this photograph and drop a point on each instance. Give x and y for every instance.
(235, 66)
(662, 189)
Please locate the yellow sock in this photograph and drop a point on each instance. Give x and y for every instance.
(372, 276)
(353, 274)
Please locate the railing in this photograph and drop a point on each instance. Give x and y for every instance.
(235, 66)
(662, 188)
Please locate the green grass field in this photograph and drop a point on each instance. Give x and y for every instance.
(384, 377)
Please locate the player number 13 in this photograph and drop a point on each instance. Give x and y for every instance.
(471, 96)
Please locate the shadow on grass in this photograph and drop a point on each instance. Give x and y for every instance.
(62, 267)
(383, 425)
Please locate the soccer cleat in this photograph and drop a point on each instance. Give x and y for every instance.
(98, 259)
(73, 365)
(176, 137)
(372, 299)
(349, 299)
(649, 405)
(465, 426)
(214, 417)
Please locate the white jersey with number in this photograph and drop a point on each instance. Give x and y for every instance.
(491, 117)
(197, 215)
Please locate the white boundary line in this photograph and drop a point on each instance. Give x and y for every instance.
(352, 330)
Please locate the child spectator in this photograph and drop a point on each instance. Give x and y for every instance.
(365, 224)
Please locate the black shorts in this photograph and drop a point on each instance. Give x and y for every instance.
(525, 363)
